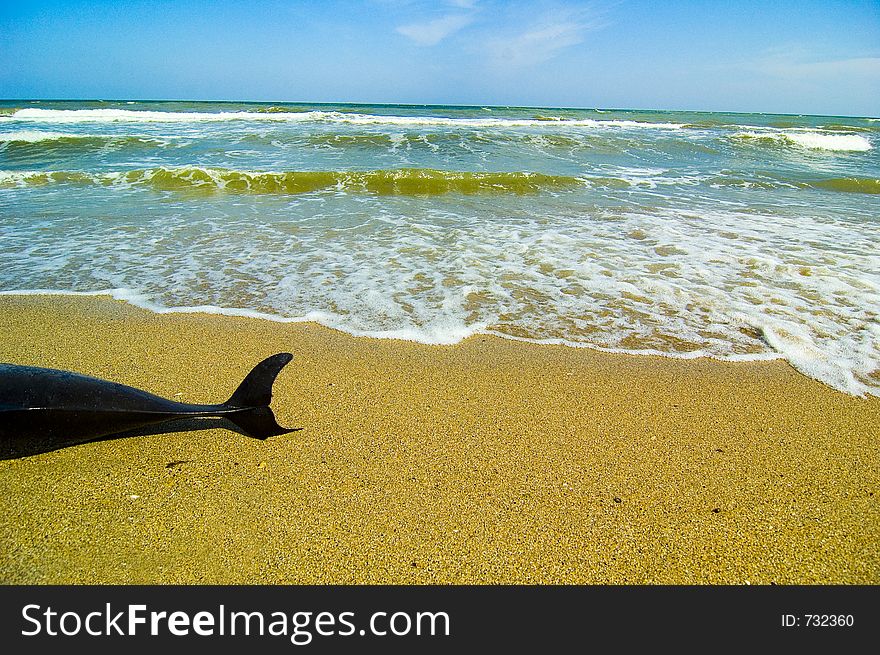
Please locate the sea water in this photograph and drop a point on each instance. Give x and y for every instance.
(685, 234)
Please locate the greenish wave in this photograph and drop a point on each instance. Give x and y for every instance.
(17, 178)
(399, 182)
(843, 127)
(849, 184)
(278, 109)
(403, 182)
(396, 182)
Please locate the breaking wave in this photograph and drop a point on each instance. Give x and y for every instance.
(811, 140)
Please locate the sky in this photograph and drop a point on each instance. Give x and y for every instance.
(780, 56)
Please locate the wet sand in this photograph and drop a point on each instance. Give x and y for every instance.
(486, 462)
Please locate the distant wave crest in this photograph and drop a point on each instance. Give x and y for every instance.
(36, 139)
(127, 115)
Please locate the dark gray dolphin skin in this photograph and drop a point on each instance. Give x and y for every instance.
(43, 409)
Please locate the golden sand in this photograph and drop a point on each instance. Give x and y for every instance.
(486, 462)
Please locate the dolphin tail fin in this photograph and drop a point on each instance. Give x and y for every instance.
(253, 397)
(256, 389)
(258, 423)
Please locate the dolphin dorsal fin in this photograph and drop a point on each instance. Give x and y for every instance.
(256, 389)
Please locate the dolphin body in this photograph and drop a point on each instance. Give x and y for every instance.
(43, 409)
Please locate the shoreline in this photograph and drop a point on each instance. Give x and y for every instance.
(488, 461)
(137, 301)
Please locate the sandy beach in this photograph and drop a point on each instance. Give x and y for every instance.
(490, 461)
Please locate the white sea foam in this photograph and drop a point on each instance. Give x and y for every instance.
(797, 347)
(442, 333)
(32, 136)
(438, 335)
(733, 285)
(127, 115)
(810, 139)
(842, 142)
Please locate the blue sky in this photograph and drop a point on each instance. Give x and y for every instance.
(776, 56)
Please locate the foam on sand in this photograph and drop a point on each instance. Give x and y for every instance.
(735, 285)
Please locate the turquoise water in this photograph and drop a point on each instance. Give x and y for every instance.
(735, 236)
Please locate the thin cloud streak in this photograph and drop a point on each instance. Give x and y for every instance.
(543, 40)
(433, 32)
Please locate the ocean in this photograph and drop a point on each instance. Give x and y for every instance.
(685, 234)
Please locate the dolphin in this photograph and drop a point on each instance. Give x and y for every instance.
(43, 409)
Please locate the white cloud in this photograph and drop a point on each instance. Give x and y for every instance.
(434, 31)
(542, 41)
